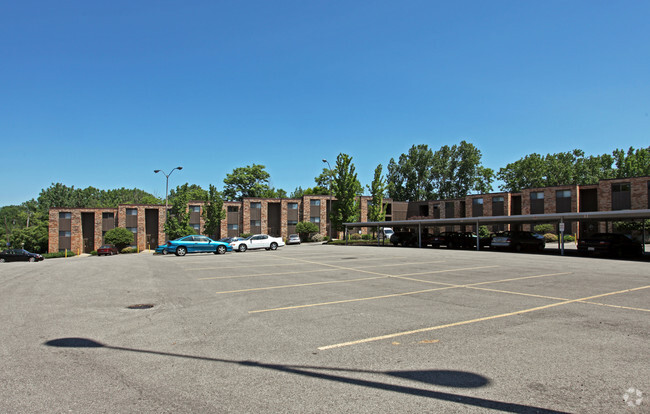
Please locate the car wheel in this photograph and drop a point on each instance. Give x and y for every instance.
(220, 250)
(180, 251)
(540, 248)
(242, 248)
(451, 245)
(32, 260)
(2, 260)
(518, 247)
(274, 246)
(164, 252)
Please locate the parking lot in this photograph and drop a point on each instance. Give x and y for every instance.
(318, 328)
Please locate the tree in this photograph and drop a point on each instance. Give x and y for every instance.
(178, 220)
(249, 181)
(213, 212)
(410, 179)
(636, 163)
(377, 188)
(346, 188)
(119, 236)
(304, 228)
(457, 171)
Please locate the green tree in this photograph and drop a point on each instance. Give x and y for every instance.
(249, 181)
(346, 188)
(634, 163)
(119, 236)
(213, 212)
(178, 220)
(457, 171)
(376, 210)
(304, 228)
(410, 178)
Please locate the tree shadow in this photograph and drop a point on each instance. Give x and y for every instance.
(459, 379)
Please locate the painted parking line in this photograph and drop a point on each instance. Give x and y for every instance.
(486, 318)
(445, 287)
(303, 284)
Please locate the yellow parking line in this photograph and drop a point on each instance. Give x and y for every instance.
(303, 284)
(486, 318)
(616, 306)
(299, 264)
(265, 274)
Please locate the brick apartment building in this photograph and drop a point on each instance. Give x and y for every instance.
(83, 229)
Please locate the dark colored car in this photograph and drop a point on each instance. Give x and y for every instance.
(404, 238)
(466, 240)
(612, 244)
(518, 241)
(19, 255)
(442, 239)
(107, 250)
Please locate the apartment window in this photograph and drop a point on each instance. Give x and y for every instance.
(537, 202)
(256, 223)
(498, 206)
(314, 219)
(195, 209)
(292, 206)
(131, 211)
(133, 230)
(621, 199)
(65, 234)
(108, 216)
(65, 216)
(196, 227)
(256, 205)
(477, 207)
(233, 227)
(314, 202)
(233, 209)
(292, 222)
(563, 201)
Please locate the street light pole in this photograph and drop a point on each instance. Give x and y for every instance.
(167, 187)
(330, 194)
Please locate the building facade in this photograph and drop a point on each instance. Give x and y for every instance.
(83, 229)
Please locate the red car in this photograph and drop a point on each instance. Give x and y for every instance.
(107, 250)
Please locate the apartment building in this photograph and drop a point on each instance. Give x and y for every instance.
(83, 229)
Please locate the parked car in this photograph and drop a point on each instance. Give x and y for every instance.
(228, 239)
(441, 239)
(404, 238)
(195, 244)
(612, 244)
(257, 241)
(19, 255)
(293, 239)
(386, 232)
(107, 250)
(466, 240)
(518, 241)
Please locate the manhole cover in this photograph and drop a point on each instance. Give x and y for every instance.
(141, 306)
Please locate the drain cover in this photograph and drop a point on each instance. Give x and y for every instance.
(141, 306)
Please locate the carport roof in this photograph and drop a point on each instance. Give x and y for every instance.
(528, 218)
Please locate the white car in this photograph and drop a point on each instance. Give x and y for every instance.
(257, 241)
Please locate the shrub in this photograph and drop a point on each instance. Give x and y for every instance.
(326, 238)
(544, 228)
(365, 237)
(129, 250)
(483, 231)
(550, 237)
(568, 238)
(57, 255)
(119, 236)
(317, 237)
(355, 236)
(93, 253)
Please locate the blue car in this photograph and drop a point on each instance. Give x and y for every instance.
(194, 244)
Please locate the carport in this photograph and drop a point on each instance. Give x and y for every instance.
(557, 218)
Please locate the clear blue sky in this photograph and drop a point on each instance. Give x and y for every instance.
(101, 93)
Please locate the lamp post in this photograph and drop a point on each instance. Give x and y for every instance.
(167, 187)
(330, 194)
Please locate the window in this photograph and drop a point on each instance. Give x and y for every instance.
(256, 223)
(314, 202)
(537, 202)
(256, 205)
(64, 234)
(563, 194)
(621, 197)
(537, 195)
(498, 199)
(195, 209)
(292, 206)
(196, 227)
(233, 209)
(131, 211)
(563, 201)
(133, 230)
(314, 219)
(65, 215)
(477, 207)
(108, 216)
(233, 227)
(292, 222)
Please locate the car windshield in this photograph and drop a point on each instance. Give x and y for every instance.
(106, 246)
(248, 238)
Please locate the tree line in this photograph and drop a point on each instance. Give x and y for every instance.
(420, 174)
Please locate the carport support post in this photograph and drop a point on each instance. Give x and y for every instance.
(561, 237)
(644, 236)
(478, 238)
(420, 235)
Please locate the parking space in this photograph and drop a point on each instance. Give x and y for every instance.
(385, 329)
